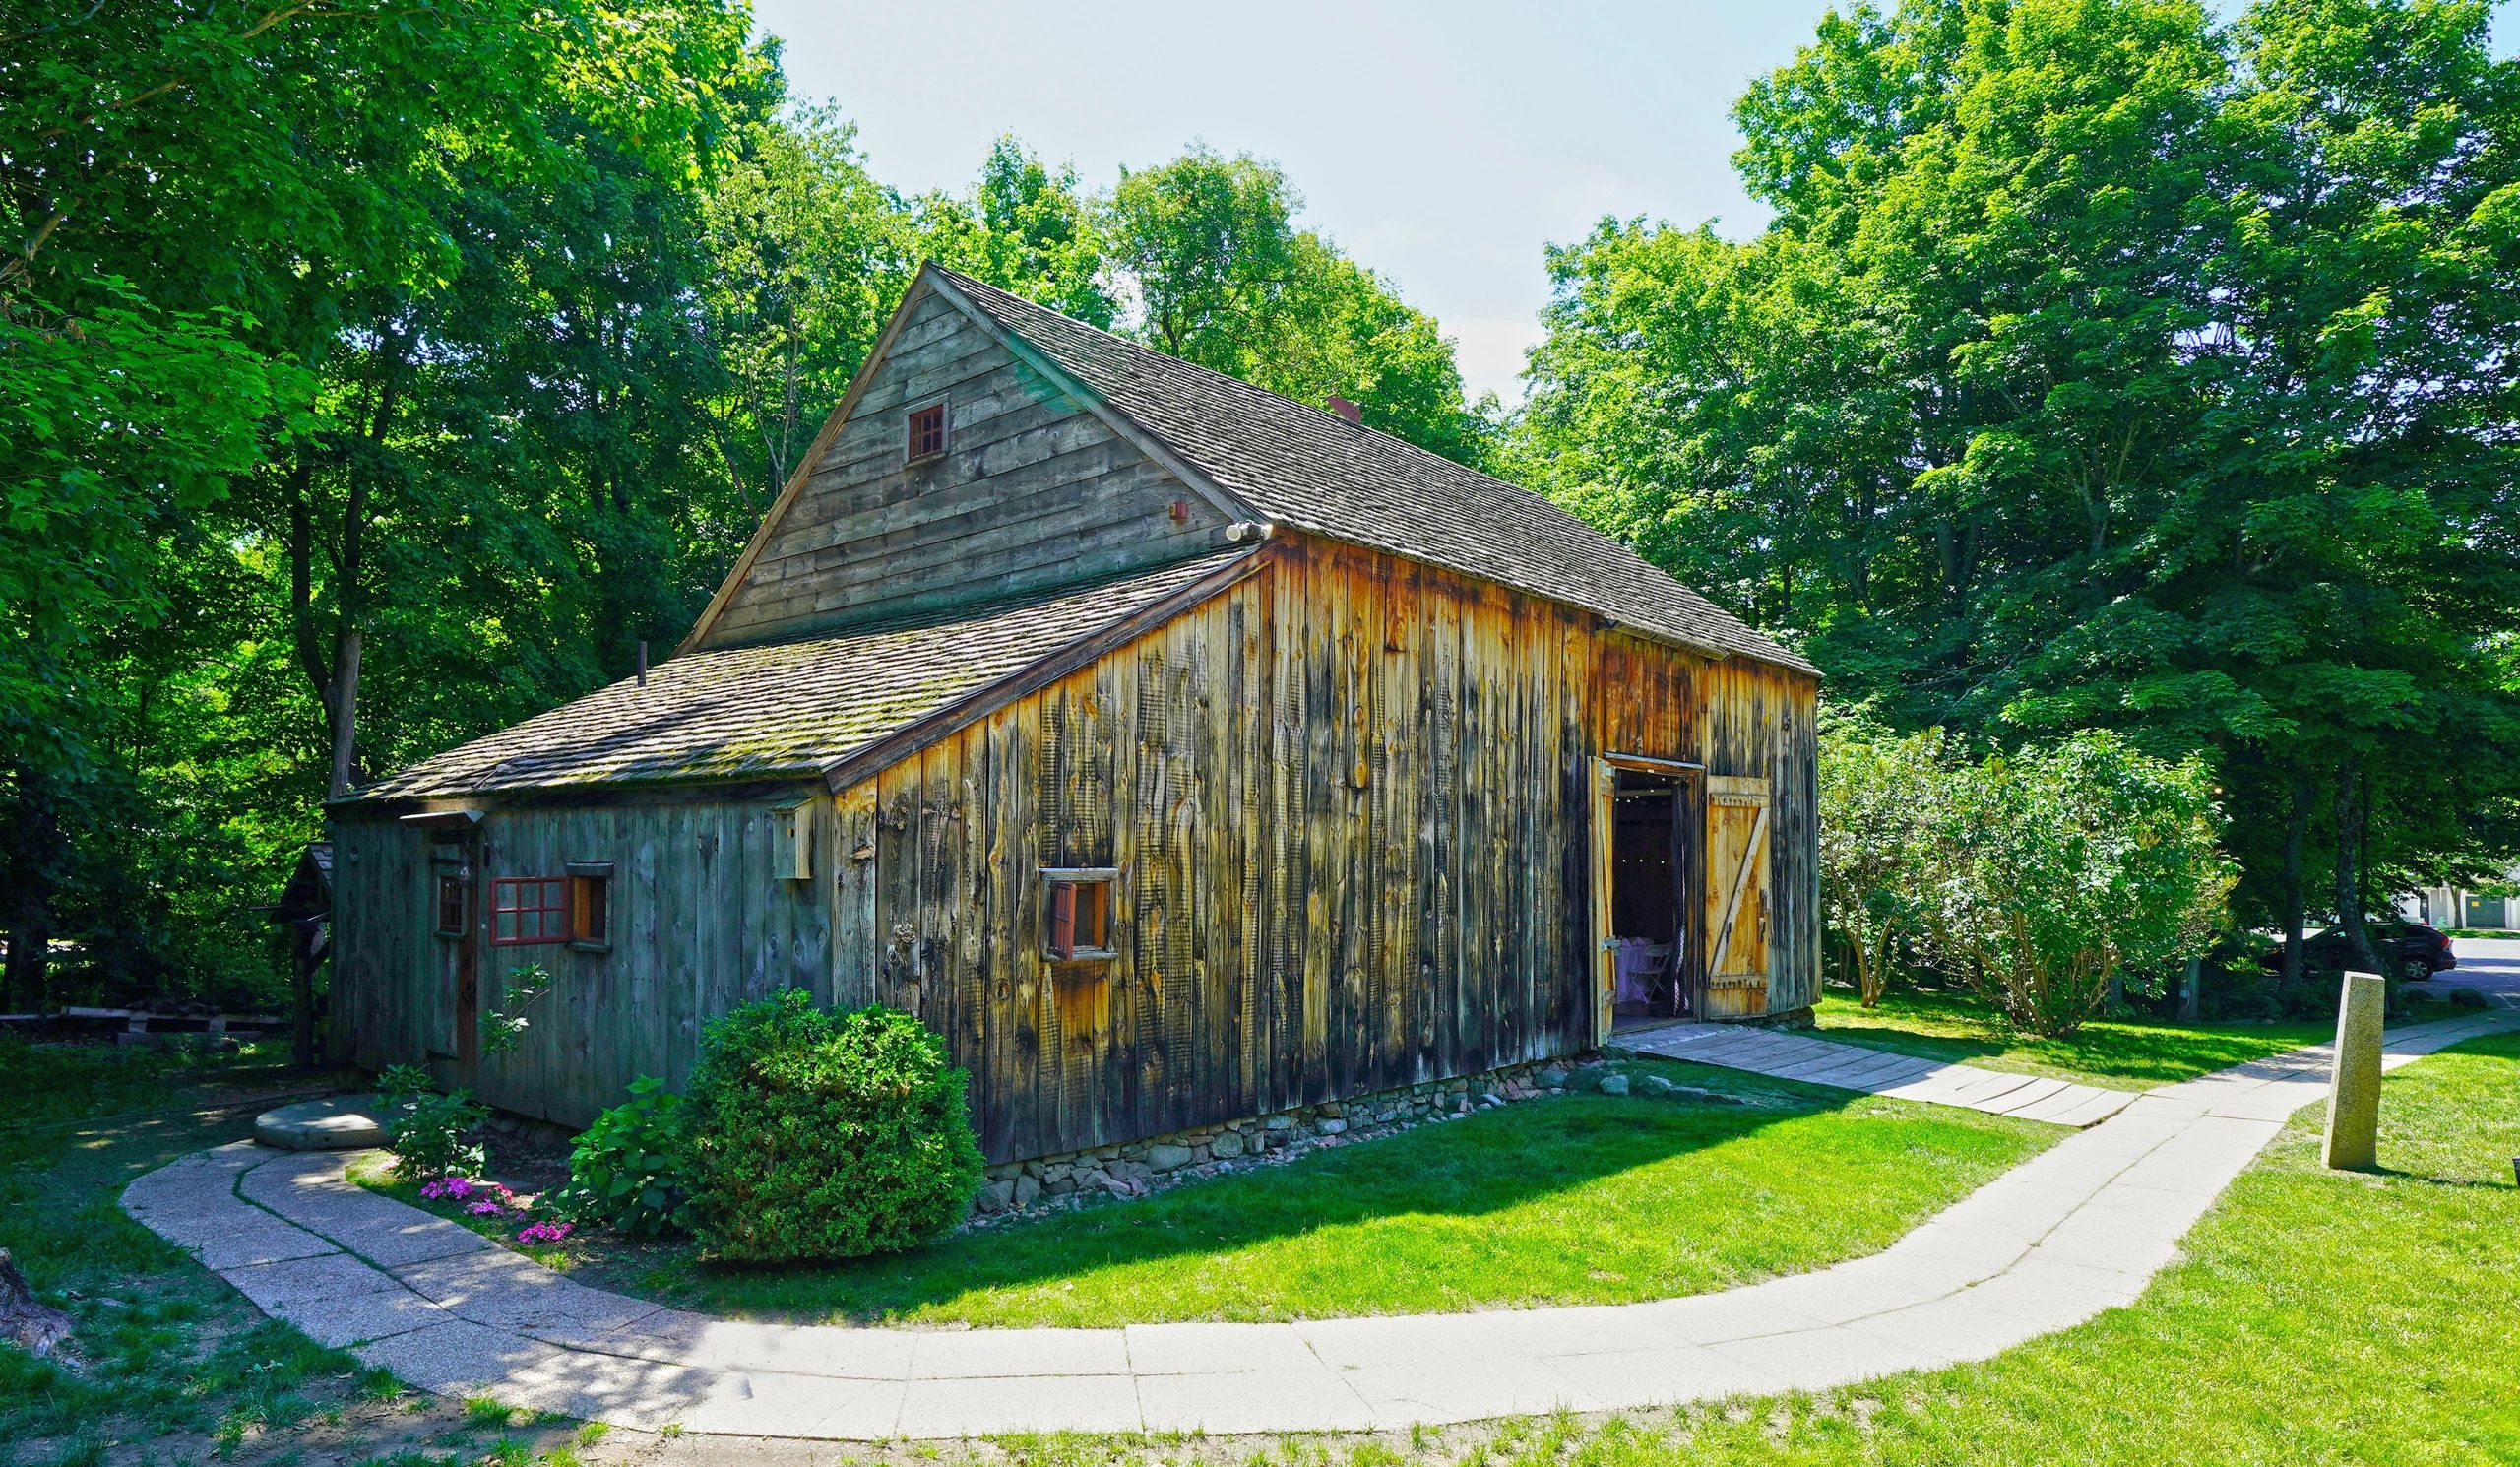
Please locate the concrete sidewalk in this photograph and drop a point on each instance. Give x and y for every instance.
(2079, 1228)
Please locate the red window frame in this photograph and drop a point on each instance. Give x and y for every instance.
(925, 438)
(528, 911)
(1076, 916)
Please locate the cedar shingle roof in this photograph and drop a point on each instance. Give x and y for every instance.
(784, 710)
(1315, 471)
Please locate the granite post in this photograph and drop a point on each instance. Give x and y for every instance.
(2354, 1094)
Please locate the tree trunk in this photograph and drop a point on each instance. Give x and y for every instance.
(31, 863)
(2351, 791)
(2296, 830)
(27, 1321)
(343, 704)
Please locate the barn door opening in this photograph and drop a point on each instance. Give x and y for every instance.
(1736, 896)
(1644, 812)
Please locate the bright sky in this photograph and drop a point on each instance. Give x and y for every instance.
(1444, 145)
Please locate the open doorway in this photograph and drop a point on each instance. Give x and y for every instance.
(1647, 941)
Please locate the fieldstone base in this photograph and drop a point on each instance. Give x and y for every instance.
(1136, 1169)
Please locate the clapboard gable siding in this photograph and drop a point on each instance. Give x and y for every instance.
(1033, 492)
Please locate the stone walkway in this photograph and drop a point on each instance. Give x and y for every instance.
(2079, 1228)
(1801, 1056)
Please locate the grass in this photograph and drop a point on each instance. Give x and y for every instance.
(2320, 1317)
(173, 1365)
(2319, 1320)
(1580, 1199)
(2113, 1054)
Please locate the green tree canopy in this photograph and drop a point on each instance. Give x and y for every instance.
(2106, 365)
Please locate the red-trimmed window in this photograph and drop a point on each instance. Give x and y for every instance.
(927, 432)
(1075, 914)
(527, 910)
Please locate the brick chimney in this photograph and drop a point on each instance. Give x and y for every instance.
(1348, 411)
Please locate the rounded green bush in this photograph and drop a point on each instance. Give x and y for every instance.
(814, 1135)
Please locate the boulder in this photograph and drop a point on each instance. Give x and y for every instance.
(1333, 1126)
(1027, 1187)
(342, 1122)
(1227, 1146)
(1552, 1077)
(1163, 1156)
(1614, 1084)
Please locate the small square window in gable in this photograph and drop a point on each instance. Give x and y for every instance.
(926, 435)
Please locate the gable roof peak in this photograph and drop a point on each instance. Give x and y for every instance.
(1290, 463)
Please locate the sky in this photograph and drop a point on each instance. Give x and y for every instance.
(1444, 145)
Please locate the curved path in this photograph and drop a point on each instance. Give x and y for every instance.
(2079, 1228)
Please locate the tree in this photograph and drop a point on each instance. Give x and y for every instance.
(230, 227)
(1207, 250)
(1880, 814)
(2062, 871)
(2103, 367)
(807, 253)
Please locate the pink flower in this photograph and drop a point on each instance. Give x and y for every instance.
(447, 1190)
(545, 1233)
(487, 1207)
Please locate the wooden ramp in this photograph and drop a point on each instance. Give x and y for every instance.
(1820, 1061)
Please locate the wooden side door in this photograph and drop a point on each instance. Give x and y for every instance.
(1736, 895)
(454, 918)
(1605, 838)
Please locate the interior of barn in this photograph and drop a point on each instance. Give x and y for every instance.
(1648, 877)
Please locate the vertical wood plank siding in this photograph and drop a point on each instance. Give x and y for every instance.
(1348, 802)
(699, 923)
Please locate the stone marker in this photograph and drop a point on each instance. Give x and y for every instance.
(2354, 1094)
(343, 1123)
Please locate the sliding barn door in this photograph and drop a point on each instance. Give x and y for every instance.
(1736, 896)
(1603, 967)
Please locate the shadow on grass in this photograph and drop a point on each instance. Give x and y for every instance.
(1411, 1222)
(2133, 1054)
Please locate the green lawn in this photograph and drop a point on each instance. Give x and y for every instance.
(1575, 1200)
(2319, 1317)
(175, 1367)
(2117, 1054)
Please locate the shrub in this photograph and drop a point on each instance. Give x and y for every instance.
(626, 1170)
(425, 1129)
(814, 1135)
(1880, 799)
(2059, 869)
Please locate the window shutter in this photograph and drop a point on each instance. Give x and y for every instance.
(1063, 919)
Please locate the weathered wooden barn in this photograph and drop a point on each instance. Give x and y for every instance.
(1180, 753)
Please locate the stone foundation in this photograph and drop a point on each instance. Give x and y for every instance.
(1134, 1169)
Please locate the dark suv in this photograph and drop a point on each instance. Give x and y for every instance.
(2420, 951)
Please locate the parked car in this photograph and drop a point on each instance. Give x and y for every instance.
(2421, 951)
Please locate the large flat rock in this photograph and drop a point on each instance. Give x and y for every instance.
(340, 1122)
